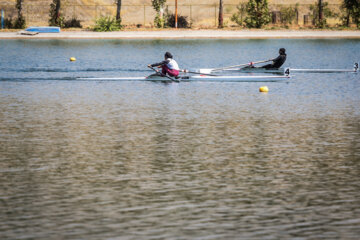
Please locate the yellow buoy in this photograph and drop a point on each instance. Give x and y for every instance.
(263, 89)
(72, 59)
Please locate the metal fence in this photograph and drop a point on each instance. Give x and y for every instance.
(198, 15)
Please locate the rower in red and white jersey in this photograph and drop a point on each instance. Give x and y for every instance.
(169, 65)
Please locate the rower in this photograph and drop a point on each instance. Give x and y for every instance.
(279, 61)
(169, 65)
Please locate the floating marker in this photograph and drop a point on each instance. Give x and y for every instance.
(72, 59)
(263, 89)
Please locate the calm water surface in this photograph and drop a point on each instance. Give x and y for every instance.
(144, 160)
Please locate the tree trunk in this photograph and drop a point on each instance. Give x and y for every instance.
(221, 17)
(320, 11)
(57, 11)
(19, 7)
(118, 9)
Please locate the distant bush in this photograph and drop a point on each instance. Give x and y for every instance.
(181, 21)
(257, 13)
(19, 23)
(240, 15)
(55, 17)
(351, 13)
(327, 13)
(8, 23)
(72, 23)
(107, 24)
(158, 6)
(158, 21)
(288, 14)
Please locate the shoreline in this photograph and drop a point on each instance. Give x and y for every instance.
(191, 34)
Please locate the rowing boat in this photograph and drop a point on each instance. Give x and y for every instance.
(283, 71)
(196, 78)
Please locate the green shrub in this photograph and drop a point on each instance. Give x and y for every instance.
(239, 16)
(158, 21)
(8, 23)
(72, 23)
(158, 6)
(288, 14)
(181, 21)
(107, 24)
(55, 17)
(19, 23)
(257, 13)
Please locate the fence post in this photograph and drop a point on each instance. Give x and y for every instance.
(190, 16)
(215, 14)
(2, 19)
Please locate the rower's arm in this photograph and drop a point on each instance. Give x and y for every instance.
(276, 59)
(160, 63)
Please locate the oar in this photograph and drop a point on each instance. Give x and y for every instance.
(187, 71)
(209, 70)
(164, 75)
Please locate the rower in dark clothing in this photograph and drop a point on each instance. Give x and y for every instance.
(279, 61)
(169, 65)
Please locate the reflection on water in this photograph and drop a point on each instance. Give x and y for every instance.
(138, 160)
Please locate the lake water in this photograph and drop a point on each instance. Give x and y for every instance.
(196, 160)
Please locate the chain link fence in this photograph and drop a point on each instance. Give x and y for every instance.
(198, 15)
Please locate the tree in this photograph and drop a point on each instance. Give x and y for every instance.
(221, 15)
(20, 21)
(352, 8)
(159, 8)
(321, 16)
(55, 18)
(257, 13)
(326, 12)
(118, 9)
(289, 14)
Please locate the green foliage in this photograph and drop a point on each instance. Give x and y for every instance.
(72, 23)
(107, 24)
(158, 5)
(327, 13)
(257, 13)
(159, 22)
(239, 16)
(54, 14)
(352, 12)
(181, 21)
(20, 22)
(8, 23)
(288, 14)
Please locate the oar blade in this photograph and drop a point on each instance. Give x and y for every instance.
(205, 70)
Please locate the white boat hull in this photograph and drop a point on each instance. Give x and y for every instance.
(197, 78)
(283, 71)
